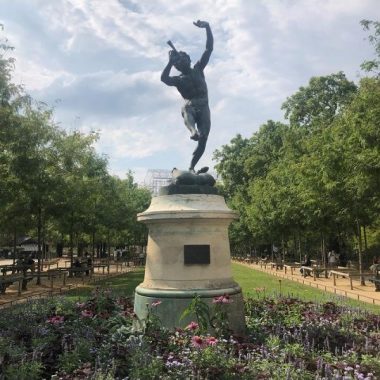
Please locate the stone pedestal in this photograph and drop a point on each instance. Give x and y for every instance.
(188, 253)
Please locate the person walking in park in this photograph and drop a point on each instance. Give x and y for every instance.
(332, 258)
(191, 84)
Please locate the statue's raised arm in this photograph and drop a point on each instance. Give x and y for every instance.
(209, 42)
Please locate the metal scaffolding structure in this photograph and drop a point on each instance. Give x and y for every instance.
(156, 178)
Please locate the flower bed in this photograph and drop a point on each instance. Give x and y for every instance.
(286, 339)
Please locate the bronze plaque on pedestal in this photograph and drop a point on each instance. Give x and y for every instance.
(197, 254)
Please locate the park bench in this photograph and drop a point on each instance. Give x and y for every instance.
(376, 282)
(52, 274)
(7, 268)
(249, 260)
(314, 271)
(15, 268)
(8, 280)
(49, 263)
(263, 263)
(376, 279)
(291, 268)
(137, 260)
(103, 266)
(120, 262)
(274, 265)
(79, 271)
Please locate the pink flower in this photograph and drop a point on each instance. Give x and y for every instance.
(197, 341)
(217, 299)
(87, 313)
(222, 299)
(192, 326)
(156, 303)
(56, 320)
(211, 341)
(80, 305)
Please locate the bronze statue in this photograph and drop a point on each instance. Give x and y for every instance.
(191, 84)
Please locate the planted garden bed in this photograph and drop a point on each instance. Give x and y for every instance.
(286, 339)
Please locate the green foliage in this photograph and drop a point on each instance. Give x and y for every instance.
(200, 310)
(146, 367)
(372, 362)
(316, 105)
(210, 360)
(152, 321)
(30, 370)
(71, 360)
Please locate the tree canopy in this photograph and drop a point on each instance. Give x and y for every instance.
(311, 184)
(53, 184)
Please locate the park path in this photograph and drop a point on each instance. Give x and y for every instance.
(359, 292)
(11, 296)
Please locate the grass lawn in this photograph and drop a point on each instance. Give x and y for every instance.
(249, 279)
(124, 284)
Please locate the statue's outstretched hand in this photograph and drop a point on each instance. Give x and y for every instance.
(201, 24)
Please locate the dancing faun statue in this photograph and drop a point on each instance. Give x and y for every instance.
(191, 84)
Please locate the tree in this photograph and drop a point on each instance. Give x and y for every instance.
(316, 105)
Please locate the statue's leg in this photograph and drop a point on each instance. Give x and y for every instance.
(189, 119)
(197, 154)
(204, 125)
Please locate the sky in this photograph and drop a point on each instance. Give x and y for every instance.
(98, 64)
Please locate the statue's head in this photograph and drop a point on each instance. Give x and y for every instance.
(182, 62)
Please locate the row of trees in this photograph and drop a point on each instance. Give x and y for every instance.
(53, 184)
(313, 183)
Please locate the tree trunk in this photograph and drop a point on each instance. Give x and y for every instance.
(323, 252)
(71, 240)
(365, 240)
(93, 245)
(294, 250)
(283, 248)
(272, 252)
(360, 246)
(39, 228)
(14, 245)
(109, 244)
(44, 256)
(299, 245)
